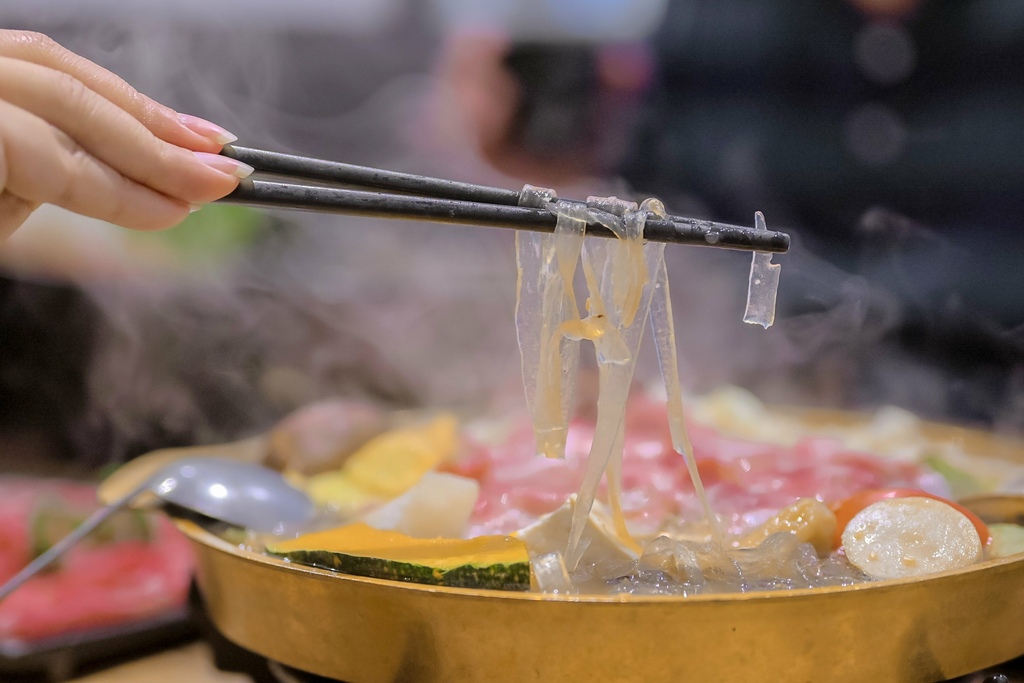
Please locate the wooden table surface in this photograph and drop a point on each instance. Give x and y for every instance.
(192, 663)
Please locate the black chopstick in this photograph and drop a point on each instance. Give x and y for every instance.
(379, 205)
(292, 166)
(447, 201)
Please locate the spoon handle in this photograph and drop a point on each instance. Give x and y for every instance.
(66, 543)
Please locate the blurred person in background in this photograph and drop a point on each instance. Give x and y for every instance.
(76, 136)
(117, 342)
(885, 133)
(888, 134)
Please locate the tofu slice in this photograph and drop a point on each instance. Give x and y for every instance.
(550, 534)
(438, 506)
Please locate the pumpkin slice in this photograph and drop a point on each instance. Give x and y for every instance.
(386, 466)
(495, 562)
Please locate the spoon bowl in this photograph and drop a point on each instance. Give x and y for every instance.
(241, 494)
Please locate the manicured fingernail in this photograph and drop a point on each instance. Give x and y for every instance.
(207, 129)
(193, 208)
(225, 164)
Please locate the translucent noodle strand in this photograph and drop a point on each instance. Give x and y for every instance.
(606, 258)
(545, 301)
(663, 329)
(627, 284)
(763, 285)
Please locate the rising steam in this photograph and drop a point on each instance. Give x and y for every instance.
(412, 314)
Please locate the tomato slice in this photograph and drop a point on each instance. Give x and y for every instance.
(846, 509)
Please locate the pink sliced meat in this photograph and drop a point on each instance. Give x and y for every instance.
(93, 586)
(746, 481)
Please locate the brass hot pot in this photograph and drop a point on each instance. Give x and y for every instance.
(364, 630)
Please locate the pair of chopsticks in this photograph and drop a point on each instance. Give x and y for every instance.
(356, 190)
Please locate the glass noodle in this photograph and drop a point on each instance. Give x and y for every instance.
(545, 304)
(616, 272)
(763, 285)
(622, 295)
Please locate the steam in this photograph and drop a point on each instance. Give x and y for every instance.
(401, 313)
(891, 334)
(414, 314)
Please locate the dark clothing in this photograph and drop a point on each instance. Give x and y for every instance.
(814, 113)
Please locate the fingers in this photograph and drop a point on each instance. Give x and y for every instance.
(114, 137)
(76, 135)
(40, 164)
(185, 131)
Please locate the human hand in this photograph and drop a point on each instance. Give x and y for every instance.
(77, 136)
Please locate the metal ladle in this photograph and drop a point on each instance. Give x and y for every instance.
(239, 493)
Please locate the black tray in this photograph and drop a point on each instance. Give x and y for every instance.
(59, 658)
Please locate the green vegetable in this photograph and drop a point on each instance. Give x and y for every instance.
(961, 482)
(494, 562)
(1007, 539)
(52, 520)
(214, 231)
